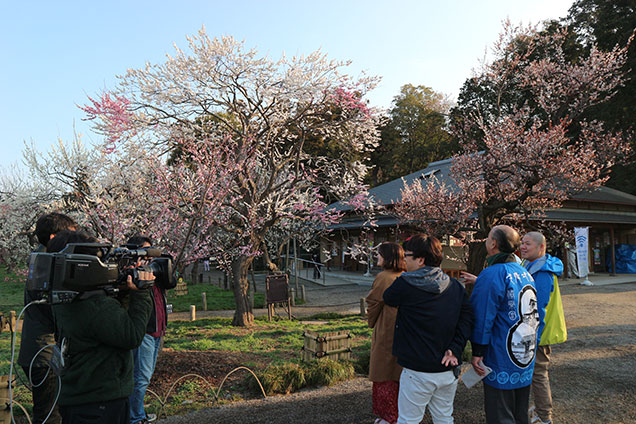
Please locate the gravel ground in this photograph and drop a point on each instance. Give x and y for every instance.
(593, 377)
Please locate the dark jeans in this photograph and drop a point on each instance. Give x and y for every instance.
(109, 412)
(506, 406)
(44, 395)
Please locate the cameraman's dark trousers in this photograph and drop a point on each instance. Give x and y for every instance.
(37, 332)
(108, 412)
(44, 395)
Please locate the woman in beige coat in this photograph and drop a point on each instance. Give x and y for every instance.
(384, 370)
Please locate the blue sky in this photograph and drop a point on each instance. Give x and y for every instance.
(55, 53)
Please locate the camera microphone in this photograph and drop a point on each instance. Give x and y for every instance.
(152, 252)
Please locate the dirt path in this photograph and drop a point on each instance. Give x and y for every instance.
(593, 375)
(343, 299)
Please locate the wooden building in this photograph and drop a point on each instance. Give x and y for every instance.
(610, 214)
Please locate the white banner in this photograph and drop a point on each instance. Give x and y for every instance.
(581, 235)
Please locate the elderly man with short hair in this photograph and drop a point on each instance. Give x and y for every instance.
(504, 302)
(544, 269)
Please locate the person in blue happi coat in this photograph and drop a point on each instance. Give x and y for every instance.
(504, 337)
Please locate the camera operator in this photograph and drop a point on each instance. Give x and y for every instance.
(145, 356)
(38, 328)
(99, 334)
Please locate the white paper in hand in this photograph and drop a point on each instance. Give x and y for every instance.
(470, 377)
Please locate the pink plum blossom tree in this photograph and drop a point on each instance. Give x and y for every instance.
(523, 156)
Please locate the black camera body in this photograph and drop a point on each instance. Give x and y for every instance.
(89, 267)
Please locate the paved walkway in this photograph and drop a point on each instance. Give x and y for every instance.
(601, 279)
(337, 278)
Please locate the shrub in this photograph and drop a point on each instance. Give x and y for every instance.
(284, 378)
(326, 372)
(363, 356)
(290, 376)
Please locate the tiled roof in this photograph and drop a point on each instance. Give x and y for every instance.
(389, 193)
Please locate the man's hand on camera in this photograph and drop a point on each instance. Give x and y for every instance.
(143, 276)
(146, 277)
(129, 283)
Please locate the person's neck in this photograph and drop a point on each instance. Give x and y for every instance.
(498, 257)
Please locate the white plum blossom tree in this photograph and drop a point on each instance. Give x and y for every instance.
(21, 203)
(258, 116)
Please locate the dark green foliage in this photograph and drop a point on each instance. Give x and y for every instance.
(414, 135)
(609, 23)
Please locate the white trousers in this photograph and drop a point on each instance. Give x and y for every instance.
(419, 389)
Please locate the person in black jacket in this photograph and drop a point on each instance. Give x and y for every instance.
(98, 333)
(37, 331)
(434, 321)
(145, 356)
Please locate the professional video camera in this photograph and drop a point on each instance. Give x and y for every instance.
(89, 267)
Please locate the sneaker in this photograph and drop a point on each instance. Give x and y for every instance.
(149, 419)
(538, 420)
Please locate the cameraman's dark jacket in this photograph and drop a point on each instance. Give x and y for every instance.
(101, 334)
(37, 329)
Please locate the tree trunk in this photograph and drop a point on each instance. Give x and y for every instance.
(271, 266)
(243, 315)
(476, 257)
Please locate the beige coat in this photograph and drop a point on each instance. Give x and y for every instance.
(383, 365)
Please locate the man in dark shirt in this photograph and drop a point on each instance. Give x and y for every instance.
(145, 356)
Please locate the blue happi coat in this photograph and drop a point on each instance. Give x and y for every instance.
(504, 302)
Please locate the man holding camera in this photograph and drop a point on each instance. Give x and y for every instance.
(37, 331)
(97, 334)
(145, 356)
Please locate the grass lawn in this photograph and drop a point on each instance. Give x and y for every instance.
(11, 292)
(275, 341)
(271, 349)
(218, 299)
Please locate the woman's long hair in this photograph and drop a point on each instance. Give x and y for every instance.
(393, 256)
